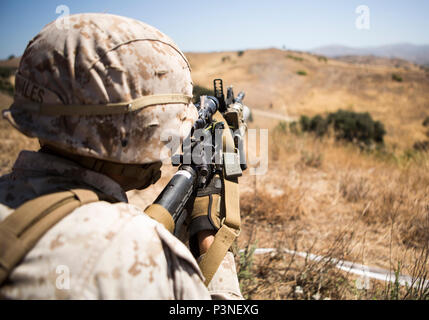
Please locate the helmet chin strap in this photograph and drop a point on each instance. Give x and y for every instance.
(140, 176)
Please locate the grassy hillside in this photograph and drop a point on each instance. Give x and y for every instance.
(272, 81)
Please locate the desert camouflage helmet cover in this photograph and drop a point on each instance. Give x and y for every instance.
(106, 86)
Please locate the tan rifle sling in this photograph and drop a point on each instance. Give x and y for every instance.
(23, 228)
(230, 226)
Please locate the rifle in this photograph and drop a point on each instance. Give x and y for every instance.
(203, 154)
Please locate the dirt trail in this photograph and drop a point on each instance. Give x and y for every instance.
(272, 115)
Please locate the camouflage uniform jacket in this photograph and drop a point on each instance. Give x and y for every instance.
(101, 250)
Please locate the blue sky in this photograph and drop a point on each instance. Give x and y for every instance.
(200, 25)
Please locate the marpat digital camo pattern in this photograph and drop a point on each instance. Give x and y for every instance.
(101, 250)
(100, 59)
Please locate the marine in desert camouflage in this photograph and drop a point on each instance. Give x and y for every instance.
(98, 96)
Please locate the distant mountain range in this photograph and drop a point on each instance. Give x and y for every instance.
(415, 53)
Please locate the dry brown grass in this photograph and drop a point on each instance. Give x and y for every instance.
(281, 276)
(12, 142)
(268, 209)
(340, 202)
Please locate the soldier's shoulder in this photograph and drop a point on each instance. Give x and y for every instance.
(146, 249)
(102, 217)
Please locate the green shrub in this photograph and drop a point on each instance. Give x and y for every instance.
(6, 86)
(356, 127)
(200, 91)
(379, 132)
(319, 125)
(240, 53)
(299, 59)
(304, 123)
(6, 72)
(293, 127)
(396, 77)
(281, 126)
(301, 73)
(350, 126)
(322, 58)
(421, 146)
(245, 273)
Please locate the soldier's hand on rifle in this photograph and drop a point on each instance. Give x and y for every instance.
(206, 216)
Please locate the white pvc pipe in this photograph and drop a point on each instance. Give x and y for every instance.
(355, 268)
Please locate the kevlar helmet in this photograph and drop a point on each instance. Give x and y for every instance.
(103, 86)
